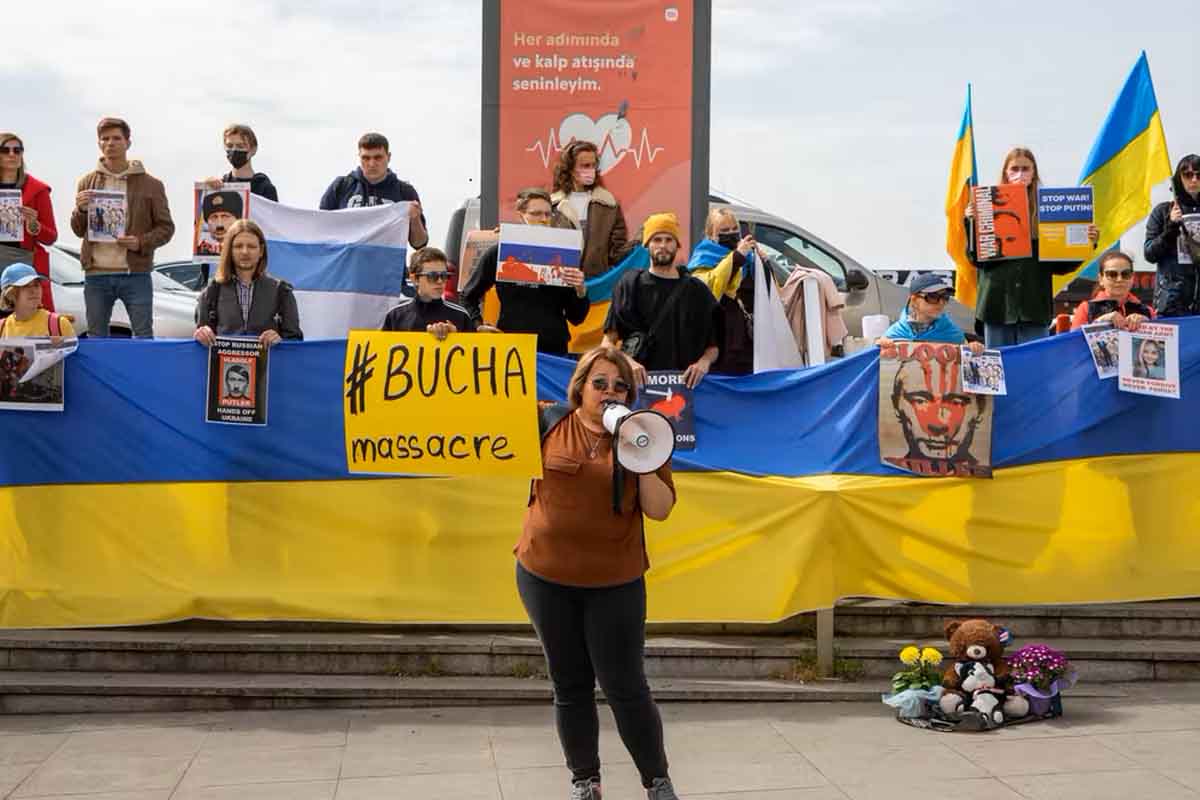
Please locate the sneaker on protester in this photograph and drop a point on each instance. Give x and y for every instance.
(587, 789)
(661, 789)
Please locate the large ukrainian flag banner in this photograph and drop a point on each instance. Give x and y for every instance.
(128, 508)
(963, 175)
(1127, 159)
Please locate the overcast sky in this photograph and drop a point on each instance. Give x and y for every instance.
(839, 116)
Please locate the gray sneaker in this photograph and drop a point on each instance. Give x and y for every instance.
(586, 790)
(661, 790)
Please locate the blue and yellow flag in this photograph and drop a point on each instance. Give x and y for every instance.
(1127, 159)
(963, 176)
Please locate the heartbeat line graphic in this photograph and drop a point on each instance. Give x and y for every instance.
(645, 150)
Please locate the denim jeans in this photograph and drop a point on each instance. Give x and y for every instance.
(1001, 335)
(592, 635)
(134, 289)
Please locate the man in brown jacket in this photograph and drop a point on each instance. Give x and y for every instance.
(120, 270)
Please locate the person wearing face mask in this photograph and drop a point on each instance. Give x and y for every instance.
(580, 197)
(241, 145)
(243, 300)
(1015, 297)
(1177, 282)
(541, 310)
(722, 262)
(662, 318)
(37, 215)
(1112, 301)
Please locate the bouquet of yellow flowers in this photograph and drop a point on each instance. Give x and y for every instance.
(920, 669)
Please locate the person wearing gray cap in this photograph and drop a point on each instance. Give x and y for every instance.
(924, 319)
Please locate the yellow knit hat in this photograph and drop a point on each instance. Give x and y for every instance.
(665, 222)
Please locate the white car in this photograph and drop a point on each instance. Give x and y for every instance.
(174, 303)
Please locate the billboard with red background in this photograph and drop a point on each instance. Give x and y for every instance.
(620, 74)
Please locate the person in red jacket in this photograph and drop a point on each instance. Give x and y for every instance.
(1112, 301)
(40, 230)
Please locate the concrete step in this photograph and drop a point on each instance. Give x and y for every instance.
(1174, 619)
(85, 692)
(519, 656)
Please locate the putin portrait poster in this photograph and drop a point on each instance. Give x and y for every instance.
(236, 393)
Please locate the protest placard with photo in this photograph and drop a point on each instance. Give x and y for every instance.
(1001, 222)
(1149, 360)
(465, 405)
(106, 213)
(1064, 215)
(214, 210)
(32, 374)
(983, 373)
(236, 391)
(536, 254)
(1101, 338)
(929, 425)
(1187, 244)
(12, 224)
(666, 393)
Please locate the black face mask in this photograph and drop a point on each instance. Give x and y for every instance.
(237, 158)
(728, 240)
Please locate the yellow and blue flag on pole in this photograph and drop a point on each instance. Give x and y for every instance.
(963, 175)
(1127, 159)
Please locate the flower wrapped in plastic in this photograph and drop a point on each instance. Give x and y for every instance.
(1041, 673)
(917, 684)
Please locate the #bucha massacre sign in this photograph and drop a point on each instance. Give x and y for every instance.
(466, 405)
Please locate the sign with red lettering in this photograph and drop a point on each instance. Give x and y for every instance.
(929, 425)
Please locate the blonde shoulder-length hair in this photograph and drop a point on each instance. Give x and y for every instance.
(225, 268)
(7, 137)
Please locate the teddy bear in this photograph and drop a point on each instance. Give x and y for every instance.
(976, 675)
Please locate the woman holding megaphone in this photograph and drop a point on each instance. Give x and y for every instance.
(580, 566)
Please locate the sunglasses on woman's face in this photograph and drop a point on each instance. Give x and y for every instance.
(1191, 176)
(1122, 275)
(601, 385)
(936, 297)
(12, 150)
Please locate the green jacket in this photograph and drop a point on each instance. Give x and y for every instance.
(1018, 290)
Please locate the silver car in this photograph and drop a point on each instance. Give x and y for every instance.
(174, 303)
(788, 246)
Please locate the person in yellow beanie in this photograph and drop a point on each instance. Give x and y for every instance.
(662, 317)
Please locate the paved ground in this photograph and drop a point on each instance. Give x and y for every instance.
(1106, 747)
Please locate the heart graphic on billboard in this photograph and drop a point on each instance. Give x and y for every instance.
(611, 134)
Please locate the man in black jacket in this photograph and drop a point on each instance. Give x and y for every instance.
(428, 311)
(374, 184)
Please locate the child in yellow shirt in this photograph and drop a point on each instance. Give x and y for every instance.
(21, 293)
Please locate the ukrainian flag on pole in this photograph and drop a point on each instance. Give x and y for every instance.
(963, 176)
(1128, 158)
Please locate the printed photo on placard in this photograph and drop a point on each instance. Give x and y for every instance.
(237, 382)
(666, 393)
(1149, 360)
(929, 425)
(12, 224)
(536, 254)
(1101, 338)
(214, 210)
(1001, 222)
(983, 373)
(32, 374)
(1188, 242)
(106, 215)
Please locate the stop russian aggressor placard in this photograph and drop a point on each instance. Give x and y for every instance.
(467, 405)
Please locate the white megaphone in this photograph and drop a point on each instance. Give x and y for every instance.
(642, 440)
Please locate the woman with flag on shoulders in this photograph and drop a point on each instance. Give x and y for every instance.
(1015, 297)
(723, 261)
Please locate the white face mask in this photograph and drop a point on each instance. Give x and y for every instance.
(585, 177)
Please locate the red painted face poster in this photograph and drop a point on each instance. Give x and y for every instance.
(616, 73)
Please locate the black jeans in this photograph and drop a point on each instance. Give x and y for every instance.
(590, 635)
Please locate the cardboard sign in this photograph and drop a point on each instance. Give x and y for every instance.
(1064, 216)
(1149, 361)
(213, 211)
(237, 383)
(466, 405)
(536, 254)
(929, 425)
(666, 393)
(1001, 222)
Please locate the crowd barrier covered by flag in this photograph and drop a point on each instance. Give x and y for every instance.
(128, 508)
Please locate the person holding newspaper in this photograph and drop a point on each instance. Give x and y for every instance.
(37, 215)
(1112, 301)
(243, 300)
(541, 310)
